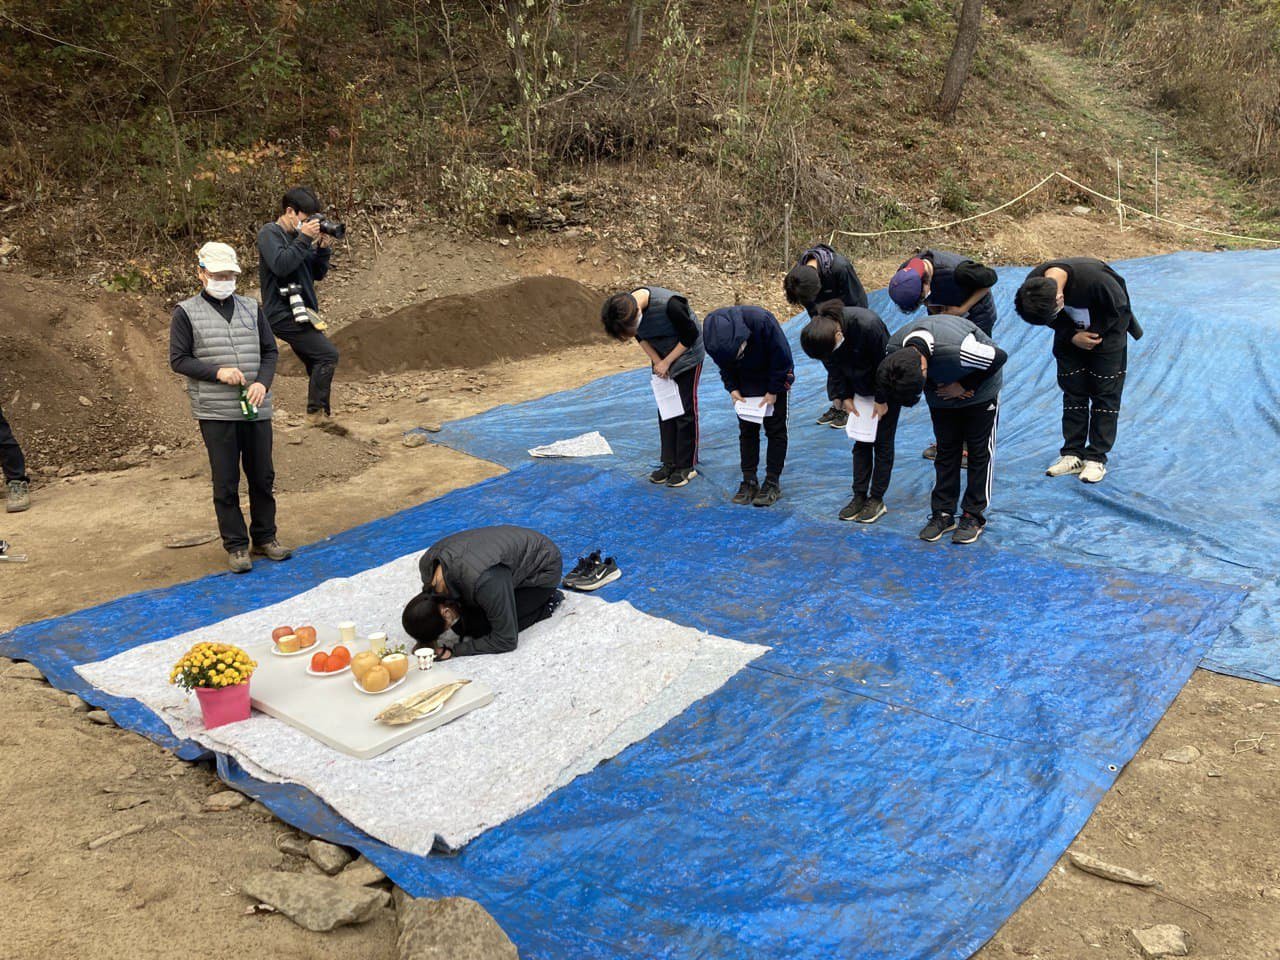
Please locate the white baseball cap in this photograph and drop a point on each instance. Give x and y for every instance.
(218, 258)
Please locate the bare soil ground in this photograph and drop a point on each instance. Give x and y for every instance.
(1208, 830)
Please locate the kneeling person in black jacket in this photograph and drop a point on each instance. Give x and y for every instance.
(850, 342)
(486, 585)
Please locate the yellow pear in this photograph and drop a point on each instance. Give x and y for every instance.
(362, 662)
(376, 679)
(397, 665)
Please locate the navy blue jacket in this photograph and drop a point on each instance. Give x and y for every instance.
(765, 366)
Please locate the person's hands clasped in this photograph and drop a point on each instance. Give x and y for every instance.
(662, 369)
(954, 391)
(1086, 339)
(256, 394)
(231, 376)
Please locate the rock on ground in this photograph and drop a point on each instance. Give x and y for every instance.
(414, 440)
(453, 928)
(27, 671)
(101, 717)
(1187, 754)
(317, 903)
(292, 844)
(362, 872)
(1109, 871)
(76, 704)
(223, 801)
(329, 857)
(1162, 940)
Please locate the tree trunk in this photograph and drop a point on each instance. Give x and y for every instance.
(635, 26)
(961, 59)
(747, 54)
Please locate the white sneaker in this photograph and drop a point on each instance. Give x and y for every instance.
(1064, 465)
(1093, 472)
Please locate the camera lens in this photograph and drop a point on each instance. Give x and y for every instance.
(334, 228)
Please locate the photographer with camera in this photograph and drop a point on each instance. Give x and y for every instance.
(293, 253)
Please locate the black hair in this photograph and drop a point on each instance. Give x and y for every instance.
(619, 315)
(1037, 301)
(900, 378)
(302, 199)
(422, 620)
(801, 285)
(818, 338)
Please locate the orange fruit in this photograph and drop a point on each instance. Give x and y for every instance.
(342, 653)
(320, 662)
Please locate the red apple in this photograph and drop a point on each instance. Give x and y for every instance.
(279, 632)
(306, 636)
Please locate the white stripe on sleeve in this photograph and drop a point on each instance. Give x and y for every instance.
(975, 353)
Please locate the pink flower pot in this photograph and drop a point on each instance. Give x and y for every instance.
(223, 704)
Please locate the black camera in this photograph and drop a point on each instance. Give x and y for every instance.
(333, 228)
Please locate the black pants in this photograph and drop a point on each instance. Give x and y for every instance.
(1092, 382)
(832, 389)
(230, 443)
(531, 607)
(11, 460)
(318, 355)
(680, 434)
(956, 428)
(873, 462)
(775, 430)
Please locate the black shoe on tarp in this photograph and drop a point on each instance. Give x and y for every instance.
(938, 524)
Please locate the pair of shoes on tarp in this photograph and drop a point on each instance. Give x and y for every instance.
(592, 572)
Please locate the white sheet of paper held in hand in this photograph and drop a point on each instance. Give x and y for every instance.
(667, 393)
(864, 426)
(748, 408)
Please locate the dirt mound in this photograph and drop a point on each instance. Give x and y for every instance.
(85, 382)
(531, 316)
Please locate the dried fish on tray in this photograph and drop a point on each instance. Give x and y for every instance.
(421, 704)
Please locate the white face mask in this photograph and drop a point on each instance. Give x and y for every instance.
(220, 289)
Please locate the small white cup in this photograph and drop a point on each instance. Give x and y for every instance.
(426, 657)
(347, 632)
(378, 643)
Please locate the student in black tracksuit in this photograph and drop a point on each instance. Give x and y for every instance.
(850, 342)
(820, 275)
(485, 585)
(667, 330)
(1087, 305)
(958, 368)
(750, 348)
(16, 481)
(292, 255)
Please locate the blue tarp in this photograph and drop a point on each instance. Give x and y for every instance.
(931, 729)
(1194, 487)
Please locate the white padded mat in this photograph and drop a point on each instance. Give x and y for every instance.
(580, 688)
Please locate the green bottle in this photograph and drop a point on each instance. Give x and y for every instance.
(248, 409)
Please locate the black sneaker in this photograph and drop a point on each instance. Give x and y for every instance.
(873, 511)
(681, 477)
(938, 524)
(662, 474)
(747, 491)
(930, 452)
(854, 507)
(604, 572)
(970, 529)
(768, 495)
(827, 416)
(583, 567)
(839, 420)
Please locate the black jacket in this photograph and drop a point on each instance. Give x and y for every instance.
(482, 570)
(838, 278)
(765, 366)
(852, 366)
(286, 258)
(1093, 286)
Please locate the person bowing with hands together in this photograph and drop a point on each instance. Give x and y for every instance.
(221, 342)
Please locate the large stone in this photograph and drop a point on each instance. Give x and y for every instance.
(1109, 871)
(1162, 940)
(223, 801)
(23, 671)
(1186, 754)
(317, 903)
(454, 928)
(362, 872)
(292, 844)
(329, 857)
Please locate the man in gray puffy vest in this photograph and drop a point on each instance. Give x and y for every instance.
(957, 367)
(223, 345)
